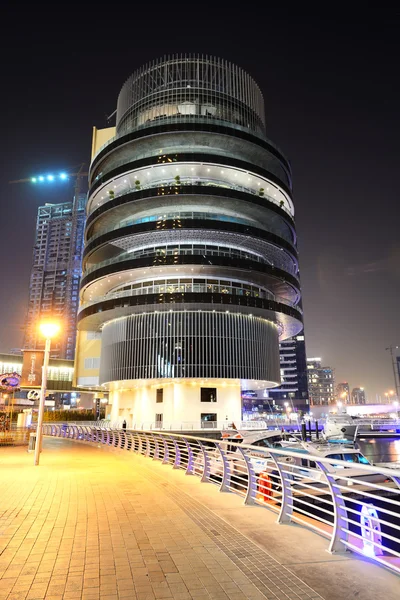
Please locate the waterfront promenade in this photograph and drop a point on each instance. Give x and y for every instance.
(101, 524)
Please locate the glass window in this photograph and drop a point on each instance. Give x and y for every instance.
(208, 394)
(335, 456)
(356, 458)
(160, 395)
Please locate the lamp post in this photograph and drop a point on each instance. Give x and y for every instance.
(394, 361)
(48, 330)
(388, 396)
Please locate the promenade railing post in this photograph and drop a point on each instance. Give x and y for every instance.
(156, 454)
(285, 514)
(207, 464)
(226, 475)
(165, 459)
(251, 479)
(340, 514)
(177, 461)
(190, 465)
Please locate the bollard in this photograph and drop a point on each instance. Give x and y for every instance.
(310, 430)
(316, 430)
(303, 432)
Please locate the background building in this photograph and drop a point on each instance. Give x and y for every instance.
(321, 384)
(358, 396)
(59, 381)
(55, 277)
(294, 375)
(343, 392)
(190, 270)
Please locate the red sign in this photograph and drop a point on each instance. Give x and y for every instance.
(32, 364)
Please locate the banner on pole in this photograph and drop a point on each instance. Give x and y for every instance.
(32, 364)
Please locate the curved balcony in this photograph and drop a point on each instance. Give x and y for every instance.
(191, 169)
(188, 190)
(162, 246)
(192, 143)
(171, 125)
(274, 278)
(195, 288)
(179, 225)
(288, 318)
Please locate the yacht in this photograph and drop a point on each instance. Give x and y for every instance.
(301, 466)
(340, 426)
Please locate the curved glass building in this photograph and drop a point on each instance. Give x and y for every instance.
(190, 271)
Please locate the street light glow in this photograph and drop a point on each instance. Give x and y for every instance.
(49, 329)
(63, 176)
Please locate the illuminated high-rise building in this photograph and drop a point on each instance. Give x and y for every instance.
(358, 395)
(321, 383)
(343, 392)
(190, 271)
(294, 386)
(55, 276)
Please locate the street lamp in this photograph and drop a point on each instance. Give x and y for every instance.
(389, 395)
(396, 408)
(48, 330)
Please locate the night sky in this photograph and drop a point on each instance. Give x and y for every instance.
(331, 90)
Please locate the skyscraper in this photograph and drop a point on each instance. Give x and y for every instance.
(343, 392)
(358, 395)
(321, 383)
(190, 271)
(293, 365)
(55, 276)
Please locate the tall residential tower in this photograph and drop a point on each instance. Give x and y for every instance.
(190, 271)
(55, 276)
(321, 383)
(293, 364)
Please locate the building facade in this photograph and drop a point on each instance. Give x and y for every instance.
(55, 276)
(321, 383)
(358, 396)
(190, 270)
(343, 392)
(294, 376)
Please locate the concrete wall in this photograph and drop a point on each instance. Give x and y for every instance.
(181, 404)
(86, 348)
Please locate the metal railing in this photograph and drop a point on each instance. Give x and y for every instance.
(364, 424)
(97, 200)
(355, 506)
(102, 423)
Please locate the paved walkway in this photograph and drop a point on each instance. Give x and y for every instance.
(94, 524)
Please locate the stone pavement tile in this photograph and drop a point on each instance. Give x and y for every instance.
(97, 527)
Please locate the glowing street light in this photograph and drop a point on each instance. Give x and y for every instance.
(389, 395)
(49, 330)
(49, 178)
